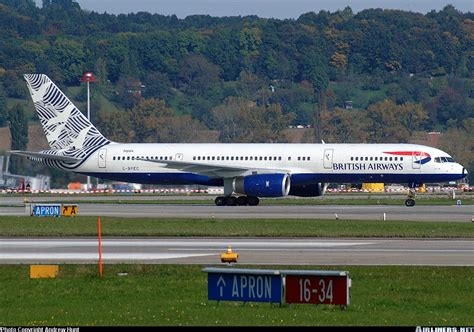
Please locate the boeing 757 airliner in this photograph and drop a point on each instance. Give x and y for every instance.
(246, 171)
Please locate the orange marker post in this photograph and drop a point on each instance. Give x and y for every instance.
(100, 248)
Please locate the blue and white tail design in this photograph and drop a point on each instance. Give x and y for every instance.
(69, 132)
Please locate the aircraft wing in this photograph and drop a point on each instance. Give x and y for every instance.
(214, 170)
(41, 155)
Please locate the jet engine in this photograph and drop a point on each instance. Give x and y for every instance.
(263, 185)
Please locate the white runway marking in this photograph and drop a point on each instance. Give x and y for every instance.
(178, 243)
(92, 257)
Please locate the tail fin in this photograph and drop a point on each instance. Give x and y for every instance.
(66, 128)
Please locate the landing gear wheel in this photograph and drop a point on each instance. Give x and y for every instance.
(231, 201)
(220, 201)
(252, 200)
(410, 202)
(242, 200)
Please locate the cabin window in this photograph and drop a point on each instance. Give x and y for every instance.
(289, 158)
(401, 158)
(390, 158)
(213, 158)
(395, 158)
(279, 158)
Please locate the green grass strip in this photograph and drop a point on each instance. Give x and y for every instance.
(114, 226)
(176, 295)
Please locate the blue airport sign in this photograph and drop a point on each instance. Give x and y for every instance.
(47, 210)
(245, 285)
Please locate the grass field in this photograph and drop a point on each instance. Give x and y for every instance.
(87, 226)
(177, 295)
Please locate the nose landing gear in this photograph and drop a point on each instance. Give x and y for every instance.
(410, 201)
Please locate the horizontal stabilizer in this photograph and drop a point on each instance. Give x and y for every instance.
(41, 155)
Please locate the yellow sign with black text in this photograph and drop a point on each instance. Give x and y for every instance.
(69, 210)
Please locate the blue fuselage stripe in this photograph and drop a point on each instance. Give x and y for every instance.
(296, 179)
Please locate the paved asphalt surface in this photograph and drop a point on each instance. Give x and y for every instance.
(289, 251)
(462, 213)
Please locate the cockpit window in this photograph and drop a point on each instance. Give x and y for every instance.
(444, 160)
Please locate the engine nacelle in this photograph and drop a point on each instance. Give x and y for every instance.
(263, 185)
(308, 190)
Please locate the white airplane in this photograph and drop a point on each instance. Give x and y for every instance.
(247, 171)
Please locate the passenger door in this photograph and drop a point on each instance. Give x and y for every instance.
(327, 158)
(416, 163)
(102, 158)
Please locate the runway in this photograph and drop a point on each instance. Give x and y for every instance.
(462, 213)
(268, 251)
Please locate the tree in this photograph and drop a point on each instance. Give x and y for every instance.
(240, 120)
(463, 149)
(3, 106)
(158, 85)
(198, 74)
(391, 123)
(448, 105)
(344, 126)
(70, 55)
(18, 124)
(115, 125)
(153, 122)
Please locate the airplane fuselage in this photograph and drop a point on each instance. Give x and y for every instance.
(306, 163)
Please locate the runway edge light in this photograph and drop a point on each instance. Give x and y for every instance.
(229, 256)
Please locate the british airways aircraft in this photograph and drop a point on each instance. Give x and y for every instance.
(246, 171)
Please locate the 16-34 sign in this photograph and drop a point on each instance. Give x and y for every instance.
(318, 287)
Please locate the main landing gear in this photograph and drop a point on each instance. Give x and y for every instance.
(232, 200)
(410, 201)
